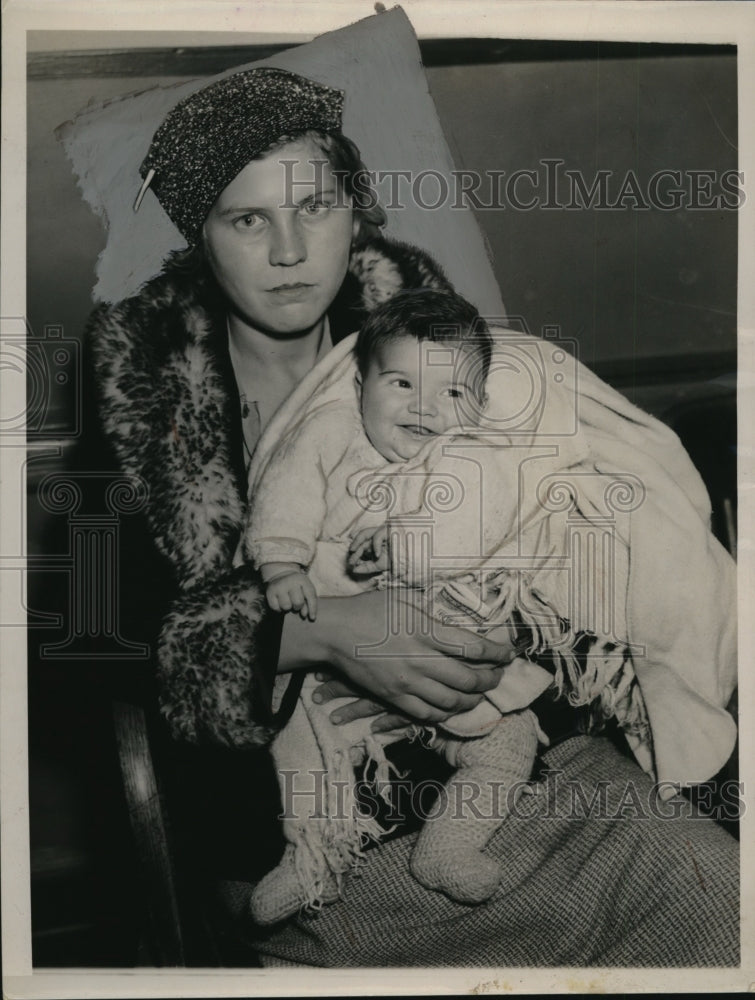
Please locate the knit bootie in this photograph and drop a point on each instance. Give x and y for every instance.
(280, 894)
(448, 854)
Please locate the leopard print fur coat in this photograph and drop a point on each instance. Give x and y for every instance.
(169, 407)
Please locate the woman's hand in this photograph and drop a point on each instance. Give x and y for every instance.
(390, 648)
(359, 707)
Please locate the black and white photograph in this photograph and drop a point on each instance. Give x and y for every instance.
(376, 456)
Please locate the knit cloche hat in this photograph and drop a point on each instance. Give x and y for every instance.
(210, 136)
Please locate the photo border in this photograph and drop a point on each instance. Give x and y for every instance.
(220, 22)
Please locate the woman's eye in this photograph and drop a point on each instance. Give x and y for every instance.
(315, 208)
(402, 383)
(251, 221)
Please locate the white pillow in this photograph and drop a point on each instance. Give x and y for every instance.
(388, 112)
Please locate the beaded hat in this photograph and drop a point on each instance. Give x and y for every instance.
(209, 137)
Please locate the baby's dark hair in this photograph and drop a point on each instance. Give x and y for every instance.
(428, 314)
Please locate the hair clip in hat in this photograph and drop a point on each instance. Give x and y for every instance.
(143, 189)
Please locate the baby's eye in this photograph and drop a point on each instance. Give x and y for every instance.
(455, 393)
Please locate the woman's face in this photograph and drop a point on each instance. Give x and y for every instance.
(278, 239)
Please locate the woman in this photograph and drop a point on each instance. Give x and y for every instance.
(190, 370)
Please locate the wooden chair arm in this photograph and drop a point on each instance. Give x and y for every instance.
(148, 825)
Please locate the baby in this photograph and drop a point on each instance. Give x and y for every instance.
(318, 522)
(410, 391)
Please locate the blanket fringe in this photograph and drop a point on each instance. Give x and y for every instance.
(334, 844)
(602, 678)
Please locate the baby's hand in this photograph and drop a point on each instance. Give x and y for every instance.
(368, 552)
(290, 590)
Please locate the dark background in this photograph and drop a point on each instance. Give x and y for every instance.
(649, 297)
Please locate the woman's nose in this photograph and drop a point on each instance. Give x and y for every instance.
(287, 246)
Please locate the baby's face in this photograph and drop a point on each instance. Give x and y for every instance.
(413, 391)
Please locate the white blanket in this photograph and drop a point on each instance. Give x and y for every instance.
(591, 470)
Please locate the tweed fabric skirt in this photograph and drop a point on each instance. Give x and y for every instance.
(596, 872)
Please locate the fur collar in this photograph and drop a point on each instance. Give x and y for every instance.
(169, 401)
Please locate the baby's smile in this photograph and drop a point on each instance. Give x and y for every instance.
(418, 430)
(410, 394)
